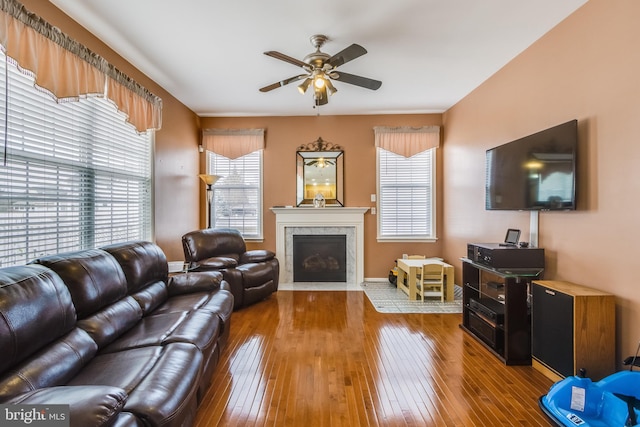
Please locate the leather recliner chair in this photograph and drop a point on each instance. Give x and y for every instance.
(252, 275)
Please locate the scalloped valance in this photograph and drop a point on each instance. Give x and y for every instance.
(233, 143)
(68, 70)
(407, 141)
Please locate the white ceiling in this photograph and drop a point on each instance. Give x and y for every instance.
(429, 54)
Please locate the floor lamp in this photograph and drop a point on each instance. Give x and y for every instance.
(209, 180)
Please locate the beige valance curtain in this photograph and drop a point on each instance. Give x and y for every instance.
(68, 70)
(407, 141)
(233, 143)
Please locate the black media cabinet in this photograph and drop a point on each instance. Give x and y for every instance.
(496, 309)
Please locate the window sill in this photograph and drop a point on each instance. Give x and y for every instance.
(407, 239)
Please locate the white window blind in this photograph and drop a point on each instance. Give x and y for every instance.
(237, 196)
(76, 175)
(405, 196)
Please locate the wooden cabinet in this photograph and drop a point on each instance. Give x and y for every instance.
(496, 309)
(573, 328)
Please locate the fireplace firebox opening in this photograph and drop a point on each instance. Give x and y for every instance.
(319, 258)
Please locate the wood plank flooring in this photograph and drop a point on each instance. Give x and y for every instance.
(308, 358)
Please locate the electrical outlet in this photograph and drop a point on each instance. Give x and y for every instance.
(373, 197)
(373, 211)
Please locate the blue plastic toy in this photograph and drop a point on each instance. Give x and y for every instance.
(612, 401)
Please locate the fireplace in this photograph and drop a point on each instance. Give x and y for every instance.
(319, 258)
(326, 221)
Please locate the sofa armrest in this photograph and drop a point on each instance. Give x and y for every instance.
(214, 263)
(224, 285)
(89, 405)
(256, 255)
(197, 281)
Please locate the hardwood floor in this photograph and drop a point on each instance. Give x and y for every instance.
(305, 358)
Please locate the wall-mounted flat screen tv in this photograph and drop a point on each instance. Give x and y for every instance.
(537, 172)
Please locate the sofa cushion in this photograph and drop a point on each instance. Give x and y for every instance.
(93, 277)
(202, 286)
(35, 310)
(200, 328)
(181, 303)
(112, 321)
(53, 365)
(89, 406)
(161, 381)
(150, 331)
(220, 302)
(151, 297)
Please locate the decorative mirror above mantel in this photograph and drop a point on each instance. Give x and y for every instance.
(320, 169)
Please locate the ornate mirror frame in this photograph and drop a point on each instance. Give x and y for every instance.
(320, 170)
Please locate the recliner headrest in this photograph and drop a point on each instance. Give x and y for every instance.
(35, 310)
(212, 242)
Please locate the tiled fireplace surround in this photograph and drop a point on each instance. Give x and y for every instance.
(323, 221)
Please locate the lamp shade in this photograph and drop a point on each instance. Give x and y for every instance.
(209, 179)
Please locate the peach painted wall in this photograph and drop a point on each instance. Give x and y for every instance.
(587, 68)
(355, 134)
(177, 190)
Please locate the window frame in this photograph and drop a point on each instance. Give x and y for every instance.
(61, 188)
(219, 186)
(432, 237)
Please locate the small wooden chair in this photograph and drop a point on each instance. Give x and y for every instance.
(431, 281)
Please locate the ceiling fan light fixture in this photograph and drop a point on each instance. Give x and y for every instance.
(331, 87)
(320, 96)
(302, 87)
(319, 81)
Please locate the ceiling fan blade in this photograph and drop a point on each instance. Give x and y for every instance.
(348, 54)
(357, 80)
(282, 83)
(286, 58)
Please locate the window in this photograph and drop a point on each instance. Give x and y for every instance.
(406, 196)
(76, 175)
(237, 196)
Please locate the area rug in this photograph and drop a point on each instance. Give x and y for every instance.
(386, 298)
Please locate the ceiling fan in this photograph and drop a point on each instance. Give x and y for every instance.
(321, 69)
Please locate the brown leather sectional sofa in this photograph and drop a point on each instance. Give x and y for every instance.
(110, 333)
(253, 275)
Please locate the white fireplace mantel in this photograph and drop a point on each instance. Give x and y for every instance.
(327, 217)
